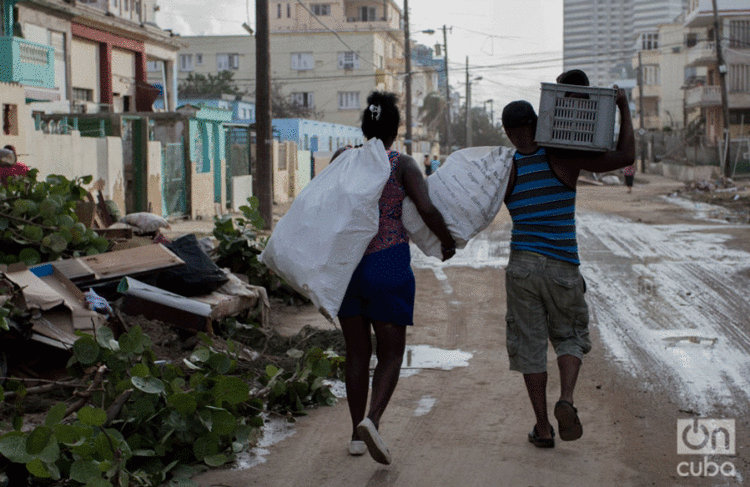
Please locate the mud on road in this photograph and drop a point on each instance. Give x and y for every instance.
(667, 289)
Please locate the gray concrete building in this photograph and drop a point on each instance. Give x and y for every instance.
(600, 36)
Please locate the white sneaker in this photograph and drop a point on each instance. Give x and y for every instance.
(375, 444)
(357, 448)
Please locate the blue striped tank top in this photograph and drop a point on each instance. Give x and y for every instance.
(543, 210)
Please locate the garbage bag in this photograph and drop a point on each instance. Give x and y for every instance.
(317, 245)
(199, 276)
(468, 190)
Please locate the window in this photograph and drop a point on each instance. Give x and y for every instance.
(153, 66)
(186, 62)
(288, 10)
(650, 41)
(651, 74)
(278, 11)
(691, 39)
(739, 34)
(739, 78)
(227, 61)
(83, 94)
(348, 60)
(348, 100)
(126, 4)
(303, 99)
(367, 14)
(199, 59)
(302, 61)
(307, 143)
(321, 9)
(10, 119)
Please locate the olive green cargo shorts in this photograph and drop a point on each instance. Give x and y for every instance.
(545, 301)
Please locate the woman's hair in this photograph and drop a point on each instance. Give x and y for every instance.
(10, 147)
(381, 117)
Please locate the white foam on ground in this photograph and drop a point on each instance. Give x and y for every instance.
(425, 406)
(673, 309)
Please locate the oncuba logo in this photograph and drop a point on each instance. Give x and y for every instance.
(705, 437)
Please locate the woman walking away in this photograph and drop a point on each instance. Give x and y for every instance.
(380, 295)
(629, 172)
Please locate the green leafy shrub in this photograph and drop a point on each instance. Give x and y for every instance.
(240, 246)
(38, 222)
(143, 422)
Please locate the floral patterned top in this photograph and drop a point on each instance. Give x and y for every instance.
(391, 230)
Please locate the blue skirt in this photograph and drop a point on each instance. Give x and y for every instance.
(382, 287)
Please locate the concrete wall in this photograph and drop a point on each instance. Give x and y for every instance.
(202, 188)
(684, 173)
(280, 173)
(242, 189)
(302, 172)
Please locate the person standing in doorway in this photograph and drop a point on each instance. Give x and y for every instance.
(380, 295)
(544, 287)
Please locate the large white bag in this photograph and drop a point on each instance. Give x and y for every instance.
(317, 245)
(468, 189)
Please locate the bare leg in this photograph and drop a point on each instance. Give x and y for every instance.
(536, 386)
(357, 375)
(391, 342)
(569, 366)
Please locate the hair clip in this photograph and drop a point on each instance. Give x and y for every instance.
(376, 110)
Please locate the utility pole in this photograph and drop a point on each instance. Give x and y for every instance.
(263, 179)
(724, 100)
(447, 93)
(407, 55)
(468, 106)
(641, 130)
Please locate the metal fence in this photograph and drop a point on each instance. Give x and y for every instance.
(237, 157)
(174, 191)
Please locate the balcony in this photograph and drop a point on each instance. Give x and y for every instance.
(703, 96)
(702, 54)
(31, 64)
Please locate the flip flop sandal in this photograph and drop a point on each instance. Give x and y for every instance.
(541, 442)
(567, 421)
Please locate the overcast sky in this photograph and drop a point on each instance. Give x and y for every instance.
(513, 45)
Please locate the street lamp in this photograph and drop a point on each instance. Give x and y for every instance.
(492, 110)
(469, 128)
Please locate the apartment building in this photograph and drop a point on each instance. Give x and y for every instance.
(599, 36)
(85, 55)
(664, 61)
(704, 96)
(331, 73)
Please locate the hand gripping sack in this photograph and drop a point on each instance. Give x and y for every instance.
(468, 189)
(317, 245)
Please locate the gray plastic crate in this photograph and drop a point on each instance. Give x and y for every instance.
(576, 117)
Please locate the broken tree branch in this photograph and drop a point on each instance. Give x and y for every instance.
(86, 395)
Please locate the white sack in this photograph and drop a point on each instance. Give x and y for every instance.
(317, 245)
(468, 189)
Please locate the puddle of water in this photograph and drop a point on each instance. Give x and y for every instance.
(702, 211)
(274, 430)
(419, 357)
(425, 406)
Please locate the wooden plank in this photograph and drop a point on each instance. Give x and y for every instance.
(122, 263)
(74, 269)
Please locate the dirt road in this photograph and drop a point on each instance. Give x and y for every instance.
(668, 298)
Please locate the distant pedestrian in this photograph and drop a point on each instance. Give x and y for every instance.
(629, 176)
(380, 294)
(435, 164)
(427, 165)
(10, 165)
(544, 287)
